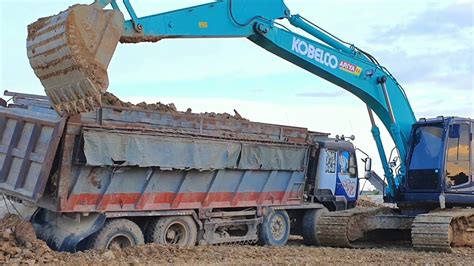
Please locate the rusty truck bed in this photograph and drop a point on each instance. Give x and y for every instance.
(29, 141)
(126, 160)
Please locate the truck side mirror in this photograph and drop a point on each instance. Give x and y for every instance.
(368, 164)
(454, 131)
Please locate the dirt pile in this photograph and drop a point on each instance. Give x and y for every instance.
(112, 100)
(18, 245)
(368, 202)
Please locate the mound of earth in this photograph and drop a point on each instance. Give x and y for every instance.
(368, 202)
(18, 245)
(112, 100)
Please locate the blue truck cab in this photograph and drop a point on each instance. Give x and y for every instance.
(333, 171)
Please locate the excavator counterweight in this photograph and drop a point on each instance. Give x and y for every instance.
(70, 53)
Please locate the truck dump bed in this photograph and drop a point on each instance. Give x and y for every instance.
(28, 144)
(128, 160)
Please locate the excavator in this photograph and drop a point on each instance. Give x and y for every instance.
(432, 183)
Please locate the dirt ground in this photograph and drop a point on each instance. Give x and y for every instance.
(18, 245)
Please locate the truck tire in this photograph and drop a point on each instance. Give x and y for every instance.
(309, 224)
(173, 230)
(121, 233)
(275, 229)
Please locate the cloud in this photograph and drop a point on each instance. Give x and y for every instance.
(445, 20)
(431, 55)
(449, 69)
(430, 99)
(319, 94)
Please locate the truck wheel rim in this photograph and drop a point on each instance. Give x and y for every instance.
(121, 241)
(278, 227)
(176, 234)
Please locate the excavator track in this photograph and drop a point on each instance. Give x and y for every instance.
(70, 53)
(444, 229)
(343, 228)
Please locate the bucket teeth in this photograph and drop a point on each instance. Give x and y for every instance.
(70, 54)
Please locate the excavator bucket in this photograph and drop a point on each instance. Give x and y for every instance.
(70, 54)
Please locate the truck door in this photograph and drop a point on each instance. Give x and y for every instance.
(326, 174)
(346, 175)
(459, 176)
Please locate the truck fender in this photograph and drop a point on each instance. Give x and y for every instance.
(63, 232)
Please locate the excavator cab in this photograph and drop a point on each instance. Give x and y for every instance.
(440, 162)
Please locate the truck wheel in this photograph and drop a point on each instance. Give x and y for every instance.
(275, 229)
(173, 230)
(121, 233)
(310, 223)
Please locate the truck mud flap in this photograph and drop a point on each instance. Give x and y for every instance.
(64, 233)
(28, 144)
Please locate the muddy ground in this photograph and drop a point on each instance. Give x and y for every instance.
(18, 245)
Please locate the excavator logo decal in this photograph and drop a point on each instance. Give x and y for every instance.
(350, 68)
(317, 54)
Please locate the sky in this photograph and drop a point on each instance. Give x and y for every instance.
(426, 44)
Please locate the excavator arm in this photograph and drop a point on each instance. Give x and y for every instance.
(70, 53)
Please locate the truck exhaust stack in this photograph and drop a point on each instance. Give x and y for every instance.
(70, 53)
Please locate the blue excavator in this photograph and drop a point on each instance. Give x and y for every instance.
(432, 184)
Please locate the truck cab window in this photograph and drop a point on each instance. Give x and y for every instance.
(344, 157)
(458, 155)
(330, 162)
(352, 165)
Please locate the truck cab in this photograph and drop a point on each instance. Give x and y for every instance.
(333, 174)
(440, 163)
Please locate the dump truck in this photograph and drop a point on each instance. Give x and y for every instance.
(121, 176)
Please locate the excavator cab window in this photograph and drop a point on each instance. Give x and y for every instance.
(425, 159)
(428, 143)
(458, 155)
